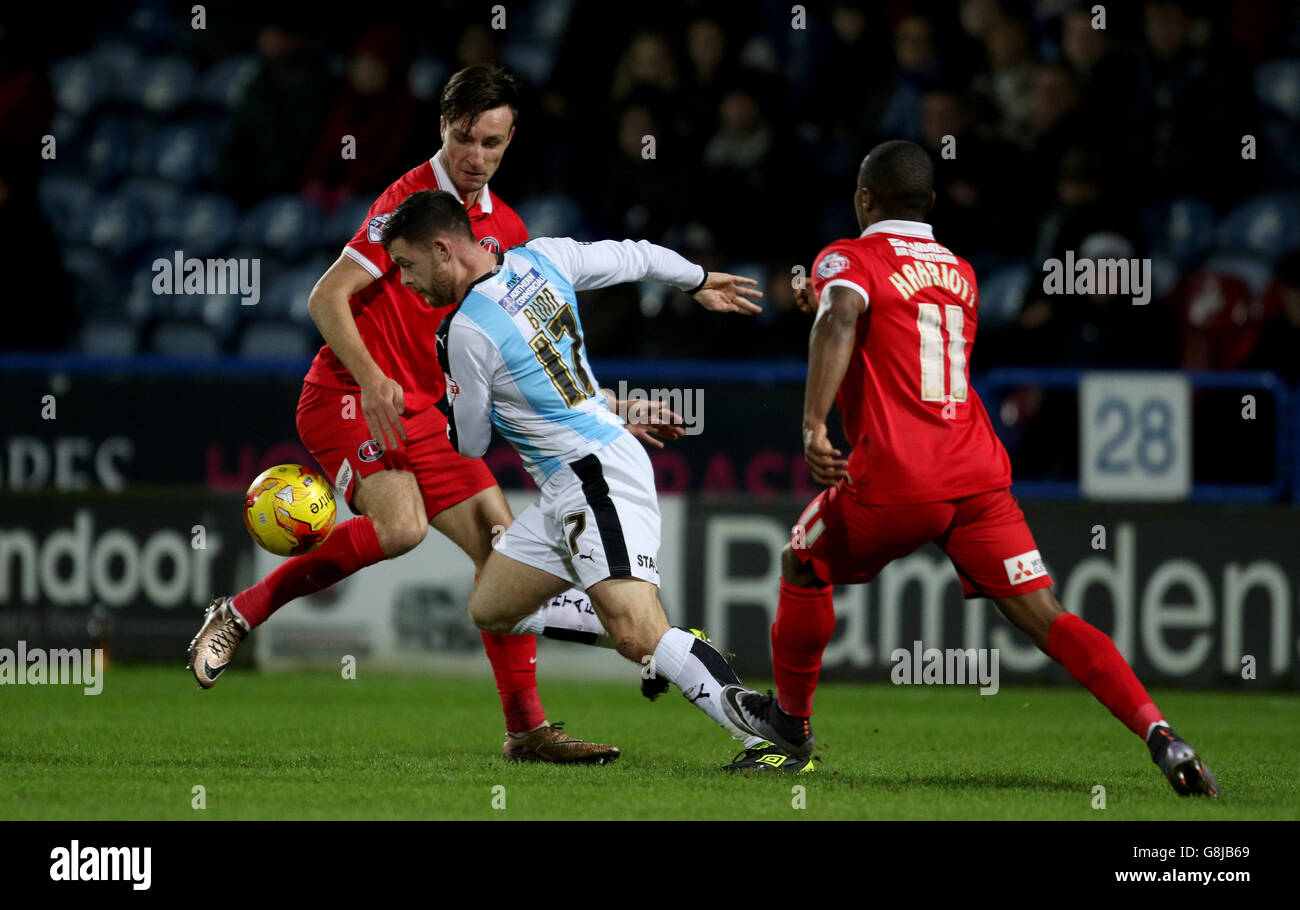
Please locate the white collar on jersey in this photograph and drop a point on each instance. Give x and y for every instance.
(445, 183)
(900, 226)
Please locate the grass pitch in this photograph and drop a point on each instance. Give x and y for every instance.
(315, 746)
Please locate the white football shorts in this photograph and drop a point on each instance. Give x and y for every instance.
(597, 518)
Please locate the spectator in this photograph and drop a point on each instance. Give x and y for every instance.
(1279, 338)
(279, 118)
(378, 111)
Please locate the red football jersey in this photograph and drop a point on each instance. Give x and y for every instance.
(397, 324)
(918, 430)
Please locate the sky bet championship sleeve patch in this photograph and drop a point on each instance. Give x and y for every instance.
(832, 265)
(375, 229)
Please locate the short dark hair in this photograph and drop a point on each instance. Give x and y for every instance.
(900, 175)
(477, 89)
(424, 215)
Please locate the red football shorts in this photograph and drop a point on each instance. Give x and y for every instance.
(346, 451)
(985, 536)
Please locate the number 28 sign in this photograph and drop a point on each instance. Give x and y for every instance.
(1135, 436)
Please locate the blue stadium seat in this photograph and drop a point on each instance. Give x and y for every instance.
(1277, 86)
(80, 83)
(202, 224)
(285, 224)
(1255, 271)
(66, 202)
(107, 337)
(119, 60)
(110, 151)
(1267, 225)
(158, 197)
(1164, 277)
(343, 223)
(183, 153)
(161, 85)
(223, 84)
(1181, 229)
(427, 77)
(288, 291)
(1003, 293)
(551, 215)
(120, 227)
(97, 284)
(274, 340)
(185, 339)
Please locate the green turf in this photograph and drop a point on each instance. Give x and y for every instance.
(312, 745)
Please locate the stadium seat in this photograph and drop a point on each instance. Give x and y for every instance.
(1277, 86)
(184, 339)
(274, 340)
(107, 337)
(1003, 293)
(160, 86)
(110, 151)
(158, 197)
(80, 84)
(1181, 229)
(551, 215)
(118, 59)
(97, 283)
(426, 78)
(201, 224)
(184, 153)
(66, 201)
(343, 223)
(1267, 225)
(286, 224)
(1164, 277)
(289, 289)
(223, 84)
(120, 227)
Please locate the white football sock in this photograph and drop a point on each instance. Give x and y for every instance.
(569, 617)
(696, 668)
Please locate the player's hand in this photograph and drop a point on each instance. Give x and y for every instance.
(650, 421)
(804, 300)
(824, 460)
(725, 293)
(382, 407)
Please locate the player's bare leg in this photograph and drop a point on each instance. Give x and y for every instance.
(507, 591)
(392, 523)
(1092, 659)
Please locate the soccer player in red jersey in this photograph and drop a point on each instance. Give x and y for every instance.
(396, 467)
(896, 317)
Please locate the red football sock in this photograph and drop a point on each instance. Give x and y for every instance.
(351, 546)
(805, 622)
(514, 664)
(1093, 660)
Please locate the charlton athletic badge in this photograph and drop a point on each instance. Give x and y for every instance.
(491, 244)
(370, 451)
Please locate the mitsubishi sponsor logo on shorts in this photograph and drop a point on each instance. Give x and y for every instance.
(1025, 567)
(370, 450)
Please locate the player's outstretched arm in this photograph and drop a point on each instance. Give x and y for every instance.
(608, 262)
(381, 397)
(830, 347)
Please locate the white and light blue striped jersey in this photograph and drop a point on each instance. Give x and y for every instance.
(513, 350)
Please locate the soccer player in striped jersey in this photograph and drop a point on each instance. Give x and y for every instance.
(512, 352)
